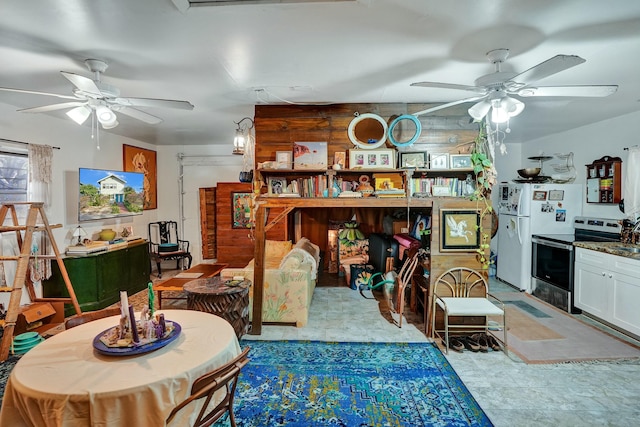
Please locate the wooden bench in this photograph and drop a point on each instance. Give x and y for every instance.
(176, 284)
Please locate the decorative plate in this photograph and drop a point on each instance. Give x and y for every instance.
(101, 348)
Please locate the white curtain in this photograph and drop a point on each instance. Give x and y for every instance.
(40, 160)
(632, 183)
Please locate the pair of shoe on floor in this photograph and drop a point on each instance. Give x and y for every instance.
(476, 342)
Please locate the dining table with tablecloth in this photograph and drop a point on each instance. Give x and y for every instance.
(64, 381)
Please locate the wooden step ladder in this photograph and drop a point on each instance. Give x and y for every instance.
(21, 278)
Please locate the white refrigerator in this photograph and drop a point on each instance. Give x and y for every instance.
(527, 209)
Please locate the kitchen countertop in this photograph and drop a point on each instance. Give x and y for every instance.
(611, 248)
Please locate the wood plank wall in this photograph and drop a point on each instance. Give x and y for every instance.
(208, 222)
(277, 127)
(236, 246)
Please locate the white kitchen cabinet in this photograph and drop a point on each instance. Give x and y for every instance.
(608, 287)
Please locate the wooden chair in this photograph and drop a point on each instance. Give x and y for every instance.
(394, 286)
(165, 244)
(90, 316)
(205, 387)
(463, 292)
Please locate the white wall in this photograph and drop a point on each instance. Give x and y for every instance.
(201, 167)
(588, 143)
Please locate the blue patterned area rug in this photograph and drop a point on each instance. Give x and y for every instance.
(309, 383)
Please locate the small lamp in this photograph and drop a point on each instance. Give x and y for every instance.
(240, 139)
(79, 233)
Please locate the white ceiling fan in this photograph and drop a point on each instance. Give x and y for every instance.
(495, 91)
(94, 96)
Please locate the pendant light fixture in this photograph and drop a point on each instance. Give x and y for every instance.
(240, 140)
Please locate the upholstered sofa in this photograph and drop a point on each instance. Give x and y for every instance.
(290, 276)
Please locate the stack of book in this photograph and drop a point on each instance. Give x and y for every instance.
(89, 248)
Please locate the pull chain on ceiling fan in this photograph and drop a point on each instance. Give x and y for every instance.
(94, 97)
(496, 91)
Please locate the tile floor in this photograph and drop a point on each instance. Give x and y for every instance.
(511, 392)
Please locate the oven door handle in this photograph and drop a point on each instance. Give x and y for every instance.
(552, 244)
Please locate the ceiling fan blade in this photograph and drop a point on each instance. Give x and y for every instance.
(438, 85)
(83, 83)
(53, 107)
(154, 103)
(35, 92)
(140, 115)
(586, 91)
(447, 105)
(545, 69)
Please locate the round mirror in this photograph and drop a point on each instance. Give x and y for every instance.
(368, 131)
(401, 127)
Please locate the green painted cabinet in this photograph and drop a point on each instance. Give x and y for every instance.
(97, 279)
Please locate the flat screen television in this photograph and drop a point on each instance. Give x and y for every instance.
(109, 194)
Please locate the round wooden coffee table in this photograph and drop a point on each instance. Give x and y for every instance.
(214, 295)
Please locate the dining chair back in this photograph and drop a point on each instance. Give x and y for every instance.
(165, 244)
(89, 316)
(205, 387)
(463, 292)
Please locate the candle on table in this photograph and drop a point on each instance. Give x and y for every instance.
(134, 326)
(152, 299)
(124, 304)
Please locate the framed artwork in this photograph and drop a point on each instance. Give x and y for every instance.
(283, 159)
(310, 155)
(413, 159)
(460, 230)
(439, 161)
(460, 161)
(372, 159)
(135, 159)
(540, 195)
(277, 185)
(241, 210)
(556, 195)
(340, 158)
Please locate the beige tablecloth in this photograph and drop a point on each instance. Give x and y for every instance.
(64, 382)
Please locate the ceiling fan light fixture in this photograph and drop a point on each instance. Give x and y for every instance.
(79, 114)
(110, 125)
(479, 109)
(513, 106)
(105, 115)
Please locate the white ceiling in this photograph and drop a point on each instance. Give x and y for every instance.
(226, 59)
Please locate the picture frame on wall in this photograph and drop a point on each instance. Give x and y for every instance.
(283, 159)
(372, 159)
(310, 155)
(460, 230)
(439, 161)
(460, 161)
(241, 210)
(413, 159)
(136, 159)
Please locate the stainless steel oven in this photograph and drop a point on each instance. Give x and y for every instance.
(552, 259)
(552, 271)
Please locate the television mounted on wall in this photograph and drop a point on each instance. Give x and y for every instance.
(107, 194)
